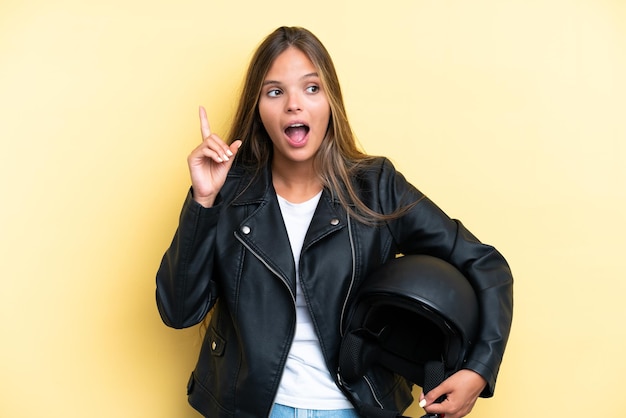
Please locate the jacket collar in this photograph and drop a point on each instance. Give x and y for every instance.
(266, 218)
(252, 187)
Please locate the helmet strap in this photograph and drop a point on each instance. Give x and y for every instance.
(434, 375)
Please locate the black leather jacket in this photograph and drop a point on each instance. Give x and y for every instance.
(235, 258)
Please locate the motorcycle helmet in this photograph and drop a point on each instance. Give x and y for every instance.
(416, 315)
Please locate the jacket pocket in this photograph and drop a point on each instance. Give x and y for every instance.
(216, 343)
(211, 357)
(217, 368)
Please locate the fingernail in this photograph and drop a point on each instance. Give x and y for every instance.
(229, 153)
(422, 403)
(225, 157)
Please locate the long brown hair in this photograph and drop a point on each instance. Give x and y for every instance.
(339, 157)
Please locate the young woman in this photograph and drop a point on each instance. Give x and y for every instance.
(283, 221)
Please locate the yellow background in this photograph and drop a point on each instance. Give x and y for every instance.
(510, 114)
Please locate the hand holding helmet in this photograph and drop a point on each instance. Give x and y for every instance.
(417, 316)
(460, 391)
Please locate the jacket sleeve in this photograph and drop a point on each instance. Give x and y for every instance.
(185, 288)
(426, 229)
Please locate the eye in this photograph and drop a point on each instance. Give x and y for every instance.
(274, 92)
(313, 88)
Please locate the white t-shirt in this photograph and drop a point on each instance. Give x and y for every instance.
(306, 381)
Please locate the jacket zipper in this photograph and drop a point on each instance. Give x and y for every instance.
(270, 268)
(352, 279)
(277, 274)
(345, 305)
(369, 384)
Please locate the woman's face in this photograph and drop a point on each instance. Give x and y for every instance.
(294, 108)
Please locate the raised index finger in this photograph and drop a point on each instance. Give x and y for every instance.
(204, 124)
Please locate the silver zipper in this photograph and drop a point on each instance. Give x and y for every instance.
(352, 279)
(343, 310)
(270, 268)
(373, 393)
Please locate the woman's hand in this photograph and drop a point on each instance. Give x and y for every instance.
(209, 163)
(461, 390)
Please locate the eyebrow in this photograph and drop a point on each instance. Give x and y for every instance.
(310, 75)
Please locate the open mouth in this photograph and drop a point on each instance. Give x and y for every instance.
(297, 132)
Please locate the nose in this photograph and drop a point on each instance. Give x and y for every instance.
(293, 103)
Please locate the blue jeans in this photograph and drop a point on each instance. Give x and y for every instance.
(282, 411)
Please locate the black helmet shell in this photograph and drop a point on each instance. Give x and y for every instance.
(412, 310)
